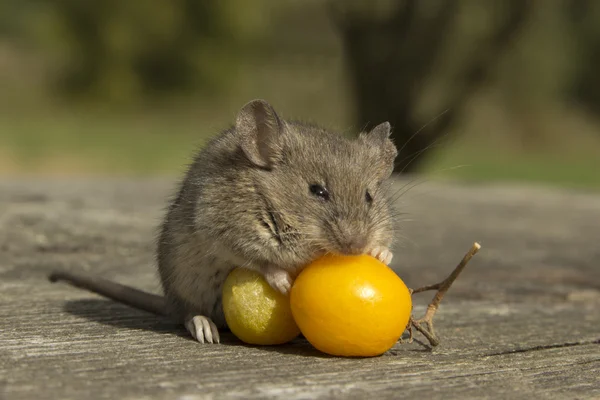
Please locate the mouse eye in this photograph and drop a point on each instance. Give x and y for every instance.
(368, 197)
(319, 191)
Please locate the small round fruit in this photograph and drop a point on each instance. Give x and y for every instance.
(350, 305)
(255, 312)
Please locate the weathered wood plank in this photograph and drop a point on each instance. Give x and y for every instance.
(521, 322)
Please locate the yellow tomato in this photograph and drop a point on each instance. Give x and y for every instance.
(255, 312)
(350, 305)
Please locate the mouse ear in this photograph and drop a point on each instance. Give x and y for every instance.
(260, 129)
(381, 132)
(379, 137)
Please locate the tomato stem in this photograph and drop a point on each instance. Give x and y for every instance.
(425, 324)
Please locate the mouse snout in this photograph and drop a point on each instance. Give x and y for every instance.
(350, 240)
(354, 246)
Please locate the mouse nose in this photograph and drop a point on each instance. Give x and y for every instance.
(351, 238)
(354, 246)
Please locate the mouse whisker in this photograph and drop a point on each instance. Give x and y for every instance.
(421, 129)
(406, 188)
(416, 154)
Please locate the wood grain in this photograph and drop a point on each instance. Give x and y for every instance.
(522, 321)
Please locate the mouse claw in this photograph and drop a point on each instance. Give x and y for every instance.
(383, 254)
(279, 279)
(203, 329)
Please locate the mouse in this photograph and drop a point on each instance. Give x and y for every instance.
(267, 194)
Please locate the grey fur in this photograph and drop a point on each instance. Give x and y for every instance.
(245, 202)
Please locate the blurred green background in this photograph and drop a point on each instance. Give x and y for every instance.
(488, 90)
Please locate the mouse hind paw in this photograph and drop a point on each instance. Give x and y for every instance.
(203, 329)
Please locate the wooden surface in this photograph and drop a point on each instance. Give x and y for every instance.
(522, 321)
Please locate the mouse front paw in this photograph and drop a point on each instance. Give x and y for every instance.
(382, 253)
(203, 329)
(279, 279)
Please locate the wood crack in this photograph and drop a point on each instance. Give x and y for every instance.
(545, 347)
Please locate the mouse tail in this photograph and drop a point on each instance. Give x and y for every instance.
(114, 291)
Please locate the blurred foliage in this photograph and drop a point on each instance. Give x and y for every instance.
(125, 51)
(394, 49)
(130, 51)
(490, 83)
(584, 17)
(419, 63)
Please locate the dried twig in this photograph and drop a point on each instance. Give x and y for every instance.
(425, 324)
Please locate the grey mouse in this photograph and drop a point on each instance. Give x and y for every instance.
(268, 195)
